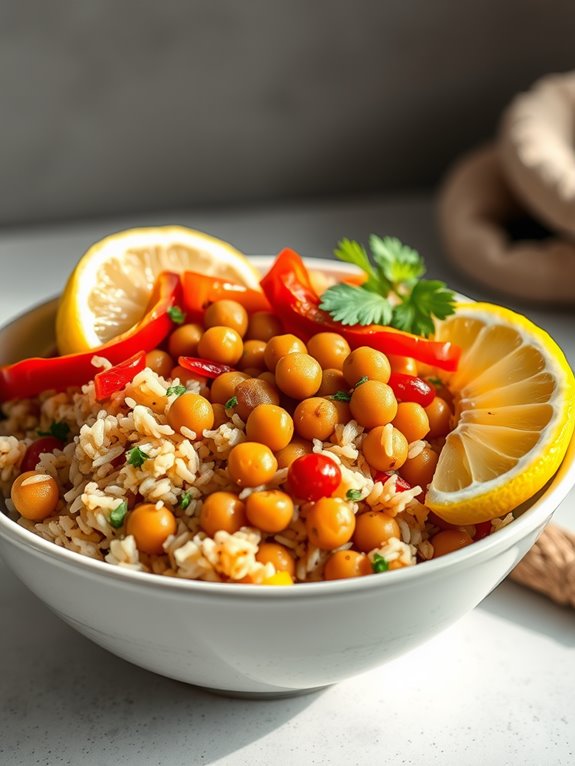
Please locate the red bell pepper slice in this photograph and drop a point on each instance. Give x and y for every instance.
(410, 388)
(200, 291)
(400, 484)
(116, 378)
(203, 367)
(32, 376)
(288, 288)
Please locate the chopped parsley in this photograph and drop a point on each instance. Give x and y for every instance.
(185, 500)
(118, 515)
(353, 494)
(231, 403)
(393, 294)
(361, 381)
(341, 396)
(59, 431)
(176, 315)
(379, 564)
(137, 457)
(176, 391)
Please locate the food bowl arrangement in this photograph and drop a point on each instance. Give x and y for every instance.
(204, 599)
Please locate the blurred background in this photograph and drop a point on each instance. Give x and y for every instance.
(111, 109)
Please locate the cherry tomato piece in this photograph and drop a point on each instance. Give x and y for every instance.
(482, 530)
(39, 447)
(409, 388)
(401, 485)
(313, 476)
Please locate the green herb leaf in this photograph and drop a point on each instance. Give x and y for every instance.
(429, 298)
(351, 305)
(176, 390)
(185, 500)
(379, 563)
(437, 382)
(59, 431)
(361, 381)
(231, 403)
(353, 494)
(176, 315)
(398, 262)
(118, 515)
(137, 457)
(341, 396)
(350, 251)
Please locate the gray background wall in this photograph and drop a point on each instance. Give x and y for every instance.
(114, 107)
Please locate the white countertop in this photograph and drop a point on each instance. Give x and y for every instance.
(498, 688)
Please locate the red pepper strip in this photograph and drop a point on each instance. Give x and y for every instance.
(401, 485)
(200, 291)
(203, 367)
(32, 376)
(116, 378)
(288, 288)
(409, 388)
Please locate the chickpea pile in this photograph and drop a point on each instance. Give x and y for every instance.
(287, 393)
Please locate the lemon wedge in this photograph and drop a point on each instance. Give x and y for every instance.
(109, 289)
(515, 405)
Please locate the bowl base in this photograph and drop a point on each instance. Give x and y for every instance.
(256, 696)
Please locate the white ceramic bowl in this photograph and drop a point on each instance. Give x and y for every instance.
(252, 640)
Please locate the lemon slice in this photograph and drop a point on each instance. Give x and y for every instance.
(109, 289)
(515, 402)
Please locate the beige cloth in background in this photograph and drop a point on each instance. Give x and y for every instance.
(475, 206)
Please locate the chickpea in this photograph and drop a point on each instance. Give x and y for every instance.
(226, 313)
(263, 325)
(270, 510)
(404, 364)
(330, 523)
(271, 425)
(343, 564)
(382, 452)
(253, 356)
(419, 470)
(373, 528)
(221, 344)
(412, 421)
(151, 527)
(449, 540)
(222, 511)
(160, 362)
(332, 381)
(148, 398)
(343, 411)
(185, 376)
(184, 340)
(279, 346)
(329, 348)
(252, 372)
(269, 377)
(191, 411)
(439, 415)
(315, 418)
(298, 375)
(35, 495)
(278, 555)
(366, 362)
(220, 415)
(253, 392)
(279, 578)
(296, 448)
(373, 404)
(251, 464)
(224, 386)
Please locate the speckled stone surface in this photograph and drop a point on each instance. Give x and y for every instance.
(497, 688)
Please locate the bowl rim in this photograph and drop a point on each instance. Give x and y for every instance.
(531, 518)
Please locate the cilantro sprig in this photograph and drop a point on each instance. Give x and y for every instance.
(118, 514)
(394, 293)
(137, 457)
(379, 563)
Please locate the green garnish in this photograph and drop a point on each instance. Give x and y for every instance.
(176, 390)
(353, 494)
(118, 515)
(437, 382)
(185, 500)
(176, 315)
(59, 431)
(341, 396)
(137, 457)
(361, 381)
(379, 563)
(393, 271)
(231, 403)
